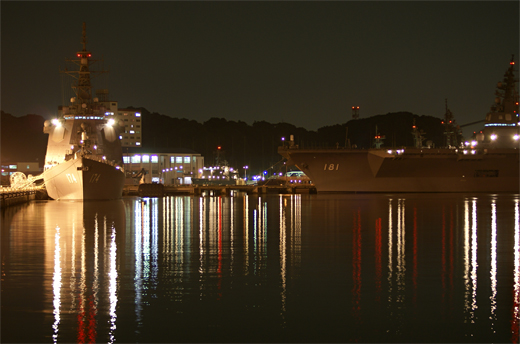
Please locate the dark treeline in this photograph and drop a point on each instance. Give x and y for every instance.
(256, 145)
(241, 144)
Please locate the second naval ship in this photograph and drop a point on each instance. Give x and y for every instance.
(488, 163)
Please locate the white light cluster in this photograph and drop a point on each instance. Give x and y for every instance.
(397, 151)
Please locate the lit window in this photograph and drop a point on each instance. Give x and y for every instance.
(126, 159)
(155, 159)
(146, 158)
(138, 143)
(132, 132)
(178, 160)
(136, 159)
(186, 159)
(137, 114)
(172, 159)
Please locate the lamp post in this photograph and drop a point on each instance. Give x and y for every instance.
(245, 172)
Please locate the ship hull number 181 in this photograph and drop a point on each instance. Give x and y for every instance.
(331, 167)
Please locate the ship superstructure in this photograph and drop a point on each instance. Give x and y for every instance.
(84, 157)
(489, 163)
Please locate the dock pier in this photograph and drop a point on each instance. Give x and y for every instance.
(12, 196)
(150, 190)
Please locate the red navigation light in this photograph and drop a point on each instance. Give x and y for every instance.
(79, 55)
(89, 55)
(512, 62)
(219, 147)
(413, 126)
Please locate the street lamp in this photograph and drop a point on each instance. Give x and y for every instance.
(245, 172)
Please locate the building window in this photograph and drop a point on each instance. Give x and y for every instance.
(136, 159)
(146, 159)
(178, 160)
(138, 143)
(137, 114)
(155, 159)
(126, 159)
(172, 159)
(186, 159)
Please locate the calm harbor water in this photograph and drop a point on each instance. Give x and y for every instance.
(276, 268)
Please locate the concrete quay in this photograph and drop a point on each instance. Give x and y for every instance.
(11, 196)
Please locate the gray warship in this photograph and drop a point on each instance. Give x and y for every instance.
(487, 163)
(84, 159)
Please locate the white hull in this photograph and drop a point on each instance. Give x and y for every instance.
(84, 179)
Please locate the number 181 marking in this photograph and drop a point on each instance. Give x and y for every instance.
(331, 167)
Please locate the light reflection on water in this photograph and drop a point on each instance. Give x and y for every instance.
(269, 268)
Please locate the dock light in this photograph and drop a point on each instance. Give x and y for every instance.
(111, 122)
(95, 147)
(104, 157)
(516, 137)
(466, 143)
(473, 143)
(493, 137)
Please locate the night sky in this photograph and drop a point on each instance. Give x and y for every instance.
(305, 63)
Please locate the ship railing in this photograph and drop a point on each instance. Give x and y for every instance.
(9, 189)
(108, 162)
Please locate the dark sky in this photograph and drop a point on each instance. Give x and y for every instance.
(305, 63)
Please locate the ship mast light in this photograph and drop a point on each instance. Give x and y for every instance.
(56, 122)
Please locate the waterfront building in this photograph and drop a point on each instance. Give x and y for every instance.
(132, 136)
(171, 166)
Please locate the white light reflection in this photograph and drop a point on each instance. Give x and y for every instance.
(154, 244)
(515, 322)
(401, 252)
(56, 285)
(474, 258)
(246, 235)
(493, 272)
(283, 252)
(466, 256)
(202, 225)
(390, 248)
(470, 259)
(138, 279)
(112, 287)
(296, 230)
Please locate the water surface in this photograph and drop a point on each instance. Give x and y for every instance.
(290, 268)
